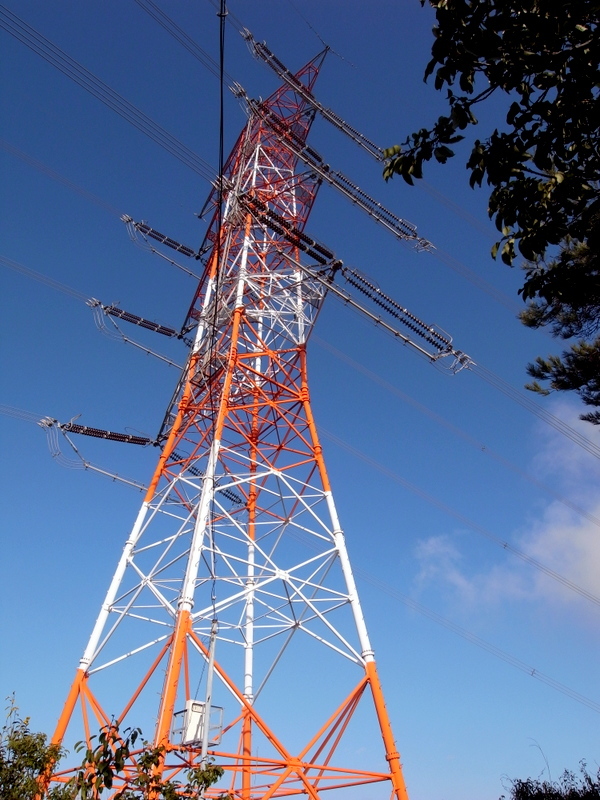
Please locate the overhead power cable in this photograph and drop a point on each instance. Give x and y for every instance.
(201, 55)
(368, 287)
(478, 641)
(493, 379)
(314, 30)
(52, 428)
(88, 81)
(442, 343)
(46, 170)
(53, 55)
(58, 58)
(490, 648)
(171, 27)
(20, 413)
(366, 576)
(509, 548)
(134, 228)
(45, 279)
(490, 377)
(39, 165)
(397, 225)
(528, 403)
(100, 311)
(471, 440)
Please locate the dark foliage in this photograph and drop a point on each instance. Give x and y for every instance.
(543, 166)
(109, 762)
(24, 757)
(106, 763)
(568, 787)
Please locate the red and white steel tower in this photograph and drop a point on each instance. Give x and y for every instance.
(233, 619)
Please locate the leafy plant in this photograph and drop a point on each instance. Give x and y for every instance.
(24, 757)
(543, 165)
(110, 764)
(113, 760)
(568, 787)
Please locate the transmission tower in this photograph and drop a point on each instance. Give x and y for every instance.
(233, 621)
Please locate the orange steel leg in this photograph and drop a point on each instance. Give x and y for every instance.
(242, 412)
(167, 705)
(391, 753)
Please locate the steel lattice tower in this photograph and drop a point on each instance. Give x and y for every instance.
(234, 591)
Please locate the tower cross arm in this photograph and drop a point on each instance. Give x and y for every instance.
(400, 227)
(262, 52)
(438, 349)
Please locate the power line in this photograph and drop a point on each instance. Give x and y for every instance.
(490, 648)
(88, 81)
(186, 41)
(377, 583)
(45, 279)
(39, 165)
(76, 72)
(480, 446)
(98, 309)
(550, 419)
(261, 51)
(434, 501)
(490, 377)
(51, 428)
(476, 640)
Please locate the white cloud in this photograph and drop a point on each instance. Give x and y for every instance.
(571, 547)
(440, 562)
(558, 457)
(559, 538)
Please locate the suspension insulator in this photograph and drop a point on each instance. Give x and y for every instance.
(146, 230)
(115, 311)
(98, 433)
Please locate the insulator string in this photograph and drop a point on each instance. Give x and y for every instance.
(99, 318)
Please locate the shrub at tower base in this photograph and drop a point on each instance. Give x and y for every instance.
(26, 759)
(568, 787)
(24, 756)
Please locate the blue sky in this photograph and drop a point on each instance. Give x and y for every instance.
(464, 718)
